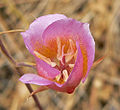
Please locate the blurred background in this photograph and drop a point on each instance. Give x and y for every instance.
(101, 90)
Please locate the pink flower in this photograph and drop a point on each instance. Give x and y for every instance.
(64, 50)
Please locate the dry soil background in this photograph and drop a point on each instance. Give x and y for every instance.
(101, 91)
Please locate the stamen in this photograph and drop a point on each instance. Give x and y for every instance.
(58, 77)
(53, 64)
(75, 54)
(65, 75)
(70, 52)
(45, 59)
(72, 45)
(61, 78)
(71, 65)
(59, 50)
(63, 56)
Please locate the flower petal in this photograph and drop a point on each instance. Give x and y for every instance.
(45, 70)
(72, 29)
(74, 77)
(33, 36)
(34, 79)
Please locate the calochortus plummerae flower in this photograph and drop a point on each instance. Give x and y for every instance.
(64, 51)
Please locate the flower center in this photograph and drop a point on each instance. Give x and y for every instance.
(64, 60)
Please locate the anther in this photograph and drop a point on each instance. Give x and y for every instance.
(65, 75)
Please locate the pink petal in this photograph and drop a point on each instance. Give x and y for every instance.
(73, 29)
(45, 70)
(75, 76)
(34, 33)
(34, 79)
(90, 46)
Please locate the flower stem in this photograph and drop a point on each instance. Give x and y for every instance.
(19, 71)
